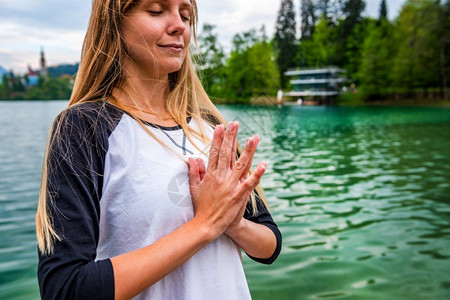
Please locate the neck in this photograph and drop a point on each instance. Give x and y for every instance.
(143, 89)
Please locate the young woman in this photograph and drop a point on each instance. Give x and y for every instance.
(143, 194)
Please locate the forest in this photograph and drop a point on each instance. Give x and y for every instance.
(404, 58)
(401, 59)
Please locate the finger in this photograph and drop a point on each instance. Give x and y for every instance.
(194, 175)
(215, 147)
(201, 168)
(245, 160)
(261, 169)
(253, 180)
(233, 149)
(223, 164)
(256, 143)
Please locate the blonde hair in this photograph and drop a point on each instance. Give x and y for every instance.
(100, 72)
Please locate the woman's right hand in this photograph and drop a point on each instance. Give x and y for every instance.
(220, 191)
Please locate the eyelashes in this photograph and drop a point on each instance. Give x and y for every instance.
(159, 12)
(155, 13)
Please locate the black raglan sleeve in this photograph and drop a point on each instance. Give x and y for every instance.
(263, 217)
(75, 167)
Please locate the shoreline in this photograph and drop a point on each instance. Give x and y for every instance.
(269, 101)
(387, 102)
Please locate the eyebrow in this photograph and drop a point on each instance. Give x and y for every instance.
(187, 4)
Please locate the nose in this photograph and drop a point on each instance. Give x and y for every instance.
(176, 25)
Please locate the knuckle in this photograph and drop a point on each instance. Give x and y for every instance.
(223, 153)
(239, 165)
(247, 184)
(213, 152)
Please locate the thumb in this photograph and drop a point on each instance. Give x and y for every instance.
(201, 168)
(194, 172)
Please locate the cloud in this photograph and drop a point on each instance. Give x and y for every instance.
(26, 26)
(231, 16)
(59, 26)
(47, 14)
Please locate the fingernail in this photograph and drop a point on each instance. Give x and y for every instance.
(216, 129)
(230, 126)
(262, 168)
(249, 142)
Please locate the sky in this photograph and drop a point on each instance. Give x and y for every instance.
(58, 26)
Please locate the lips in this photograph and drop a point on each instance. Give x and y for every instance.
(174, 46)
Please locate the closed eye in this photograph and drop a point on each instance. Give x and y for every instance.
(155, 13)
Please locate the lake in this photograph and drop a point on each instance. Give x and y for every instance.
(361, 195)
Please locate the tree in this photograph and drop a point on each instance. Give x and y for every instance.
(318, 51)
(331, 9)
(383, 11)
(210, 61)
(285, 38)
(444, 47)
(352, 15)
(374, 73)
(4, 87)
(308, 18)
(354, 51)
(417, 35)
(251, 69)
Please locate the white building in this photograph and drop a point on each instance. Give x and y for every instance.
(317, 84)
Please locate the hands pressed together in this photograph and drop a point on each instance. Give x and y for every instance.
(219, 195)
(220, 192)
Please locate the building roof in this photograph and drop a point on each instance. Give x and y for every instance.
(31, 72)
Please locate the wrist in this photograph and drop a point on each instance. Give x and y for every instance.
(207, 232)
(235, 230)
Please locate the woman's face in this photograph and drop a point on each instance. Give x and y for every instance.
(157, 35)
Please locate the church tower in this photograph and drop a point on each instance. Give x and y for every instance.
(43, 64)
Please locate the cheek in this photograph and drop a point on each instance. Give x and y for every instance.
(187, 36)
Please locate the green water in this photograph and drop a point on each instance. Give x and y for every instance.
(361, 196)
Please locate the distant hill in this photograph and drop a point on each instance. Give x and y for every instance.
(2, 71)
(59, 70)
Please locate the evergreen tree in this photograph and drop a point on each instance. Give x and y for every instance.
(352, 15)
(308, 18)
(383, 11)
(352, 11)
(324, 8)
(285, 38)
(318, 51)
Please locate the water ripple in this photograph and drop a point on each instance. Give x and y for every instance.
(361, 196)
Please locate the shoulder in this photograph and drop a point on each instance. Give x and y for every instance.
(90, 112)
(88, 118)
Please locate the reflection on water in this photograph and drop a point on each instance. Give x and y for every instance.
(361, 196)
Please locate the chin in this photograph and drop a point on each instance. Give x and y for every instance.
(171, 67)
